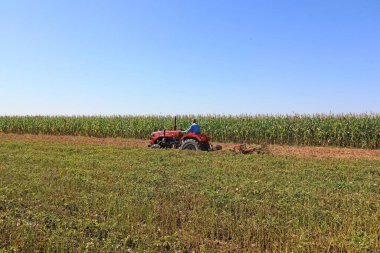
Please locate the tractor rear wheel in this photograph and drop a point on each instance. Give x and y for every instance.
(190, 144)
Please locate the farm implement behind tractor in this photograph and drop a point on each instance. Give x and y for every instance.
(177, 139)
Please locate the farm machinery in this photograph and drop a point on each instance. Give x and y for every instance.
(177, 139)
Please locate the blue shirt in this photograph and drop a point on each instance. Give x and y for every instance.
(194, 128)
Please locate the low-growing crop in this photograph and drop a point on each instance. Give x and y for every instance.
(61, 197)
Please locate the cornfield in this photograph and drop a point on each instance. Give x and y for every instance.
(348, 130)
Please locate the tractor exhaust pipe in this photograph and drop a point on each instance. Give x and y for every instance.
(175, 122)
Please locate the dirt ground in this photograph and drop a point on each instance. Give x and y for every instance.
(295, 151)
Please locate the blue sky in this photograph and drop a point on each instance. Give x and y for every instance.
(189, 57)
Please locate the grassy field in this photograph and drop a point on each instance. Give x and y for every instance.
(350, 130)
(95, 198)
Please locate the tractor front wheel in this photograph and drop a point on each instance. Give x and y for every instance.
(155, 146)
(190, 144)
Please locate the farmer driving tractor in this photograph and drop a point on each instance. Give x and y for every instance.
(194, 128)
(191, 139)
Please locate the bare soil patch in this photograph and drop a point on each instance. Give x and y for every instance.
(76, 139)
(293, 151)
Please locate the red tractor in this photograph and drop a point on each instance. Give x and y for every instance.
(177, 139)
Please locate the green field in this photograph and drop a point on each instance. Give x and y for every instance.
(103, 198)
(350, 130)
